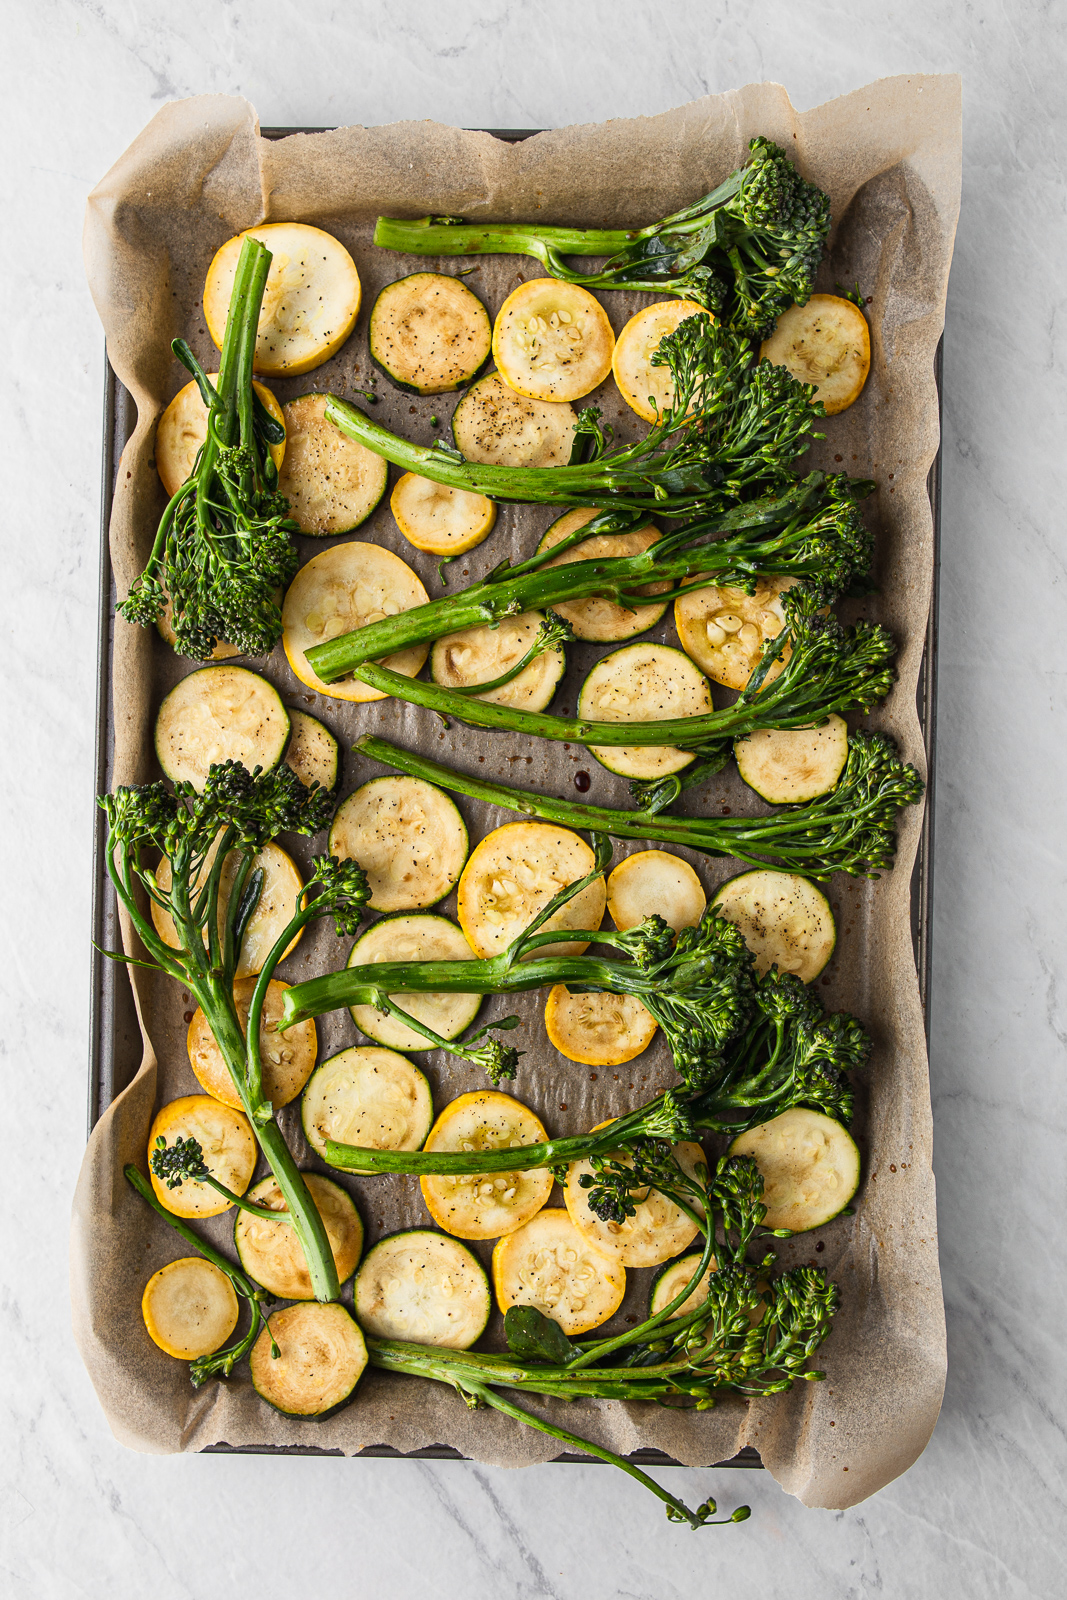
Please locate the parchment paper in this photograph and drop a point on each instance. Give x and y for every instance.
(889, 155)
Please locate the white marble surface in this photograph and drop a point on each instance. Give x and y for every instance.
(981, 1514)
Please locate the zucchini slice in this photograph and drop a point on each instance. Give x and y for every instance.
(321, 1359)
(785, 919)
(599, 1030)
(825, 342)
(369, 1097)
(788, 766)
(637, 380)
(658, 1229)
(224, 1135)
(643, 683)
(310, 303)
(485, 1206)
(313, 751)
(407, 836)
(552, 340)
(810, 1166)
(654, 881)
(723, 629)
(288, 1058)
(278, 900)
(480, 655)
(332, 483)
(429, 334)
(513, 874)
(443, 521)
(182, 429)
(495, 426)
(424, 938)
(339, 590)
(271, 1253)
(548, 1264)
(602, 621)
(672, 1279)
(422, 1286)
(189, 1308)
(220, 714)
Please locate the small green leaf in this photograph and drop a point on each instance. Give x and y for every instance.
(534, 1336)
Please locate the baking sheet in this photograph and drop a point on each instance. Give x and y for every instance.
(890, 158)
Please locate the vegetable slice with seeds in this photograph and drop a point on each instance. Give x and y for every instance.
(310, 303)
(182, 429)
(439, 519)
(343, 588)
(369, 1097)
(408, 837)
(643, 683)
(658, 1229)
(487, 1206)
(785, 919)
(790, 766)
(270, 1251)
(423, 1286)
(332, 483)
(425, 938)
(602, 621)
(229, 1151)
(636, 379)
(189, 1308)
(655, 882)
(313, 751)
(552, 341)
(599, 1030)
(497, 427)
(547, 1263)
(321, 1357)
(287, 1058)
(428, 333)
(825, 342)
(810, 1166)
(481, 655)
(723, 629)
(514, 872)
(220, 714)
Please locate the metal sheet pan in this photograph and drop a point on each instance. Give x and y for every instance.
(115, 1039)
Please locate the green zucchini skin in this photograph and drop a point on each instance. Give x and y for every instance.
(464, 302)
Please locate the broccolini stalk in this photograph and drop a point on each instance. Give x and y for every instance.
(811, 530)
(753, 244)
(791, 1054)
(851, 829)
(223, 547)
(697, 985)
(830, 669)
(733, 425)
(237, 812)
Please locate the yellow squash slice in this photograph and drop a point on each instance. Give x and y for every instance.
(600, 1030)
(723, 629)
(271, 1253)
(182, 429)
(423, 1287)
(643, 683)
(288, 1058)
(485, 1205)
(602, 621)
(339, 590)
(787, 766)
(220, 714)
(654, 881)
(495, 426)
(443, 521)
(165, 629)
(810, 1167)
(479, 655)
(785, 919)
(310, 303)
(428, 333)
(278, 899)
(226, 1138)
(658, 1229)
(407, 836)
(321, 1357)
(312, 752)
(189, 1308)
(825, 342)
(369, 1097)
(637, 380)
(552, 340)
(513, 874)
(332, 483)
(548, 1264)
(417, 938)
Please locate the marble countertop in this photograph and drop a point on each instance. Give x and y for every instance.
(980, 1514)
